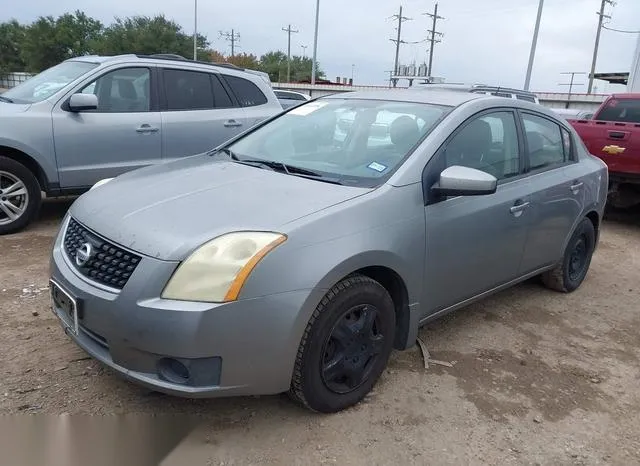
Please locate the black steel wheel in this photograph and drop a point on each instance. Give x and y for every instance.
(569, 274)
(345, 347)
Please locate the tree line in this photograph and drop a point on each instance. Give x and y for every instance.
(47, 41)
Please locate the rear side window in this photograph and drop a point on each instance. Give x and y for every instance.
(625, 110)
(188, 90)
(220, 96)
(247, 93)
(566, 144)
(545, 142)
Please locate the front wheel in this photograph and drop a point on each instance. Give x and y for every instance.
(569, 274)
(19, 196)
(345, 346)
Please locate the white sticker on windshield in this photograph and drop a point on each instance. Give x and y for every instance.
(306, 109)
(377, 167)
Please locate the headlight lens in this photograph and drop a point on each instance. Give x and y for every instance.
(216, 271)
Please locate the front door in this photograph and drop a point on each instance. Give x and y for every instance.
(475, 243)
(122, 134)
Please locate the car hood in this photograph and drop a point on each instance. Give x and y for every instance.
(7, 108)
(168, 210)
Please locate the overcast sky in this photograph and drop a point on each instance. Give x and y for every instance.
(484, 40)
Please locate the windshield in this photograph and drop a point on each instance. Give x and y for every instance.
(359, 142)
(47, 83)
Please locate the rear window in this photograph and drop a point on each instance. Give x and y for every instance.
(625, 110)
(248, 94)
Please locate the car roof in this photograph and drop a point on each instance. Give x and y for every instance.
(423, 96)
(164, 58)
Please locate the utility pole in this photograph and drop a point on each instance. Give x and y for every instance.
(195, 30)
(570, 83)
(601, 17)
(433, 39)
(398, 40)
(304, 50)
(315, 45)
(289, 31)
(534, 42)
(232, 37)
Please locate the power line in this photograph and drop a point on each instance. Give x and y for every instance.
(232, 37)
(433, 37)
(401, 19)
(601, 17)
(289, 31)
(620, 30)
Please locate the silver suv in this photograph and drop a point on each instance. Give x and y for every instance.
(90, 118)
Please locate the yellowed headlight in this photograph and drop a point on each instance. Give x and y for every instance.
(217, 270)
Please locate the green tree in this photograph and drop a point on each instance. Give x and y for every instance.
(244, 60)
(11, 38)
(48, 41)
(275, 64)
(146, 35)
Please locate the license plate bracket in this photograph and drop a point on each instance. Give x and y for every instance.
(65, 306)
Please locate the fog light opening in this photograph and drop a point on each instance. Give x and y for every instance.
(173, 371)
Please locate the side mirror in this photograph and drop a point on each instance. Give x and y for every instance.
(464, 181)
(81, 102)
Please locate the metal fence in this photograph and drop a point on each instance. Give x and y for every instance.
(13, 79)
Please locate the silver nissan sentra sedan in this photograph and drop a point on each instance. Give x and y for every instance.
(296, 256)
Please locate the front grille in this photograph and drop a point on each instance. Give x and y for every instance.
(108, 264)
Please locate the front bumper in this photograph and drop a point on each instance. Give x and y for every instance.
(247, 347)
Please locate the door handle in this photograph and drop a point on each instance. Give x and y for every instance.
(232, 124)
(575, 187)
(518, 208)
(146, 128)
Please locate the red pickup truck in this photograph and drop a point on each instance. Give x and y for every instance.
(613, 134)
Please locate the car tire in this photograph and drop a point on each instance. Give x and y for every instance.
(345, 346)
(24, 206)
(569, 274)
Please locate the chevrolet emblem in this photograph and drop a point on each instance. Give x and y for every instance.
(614, 150)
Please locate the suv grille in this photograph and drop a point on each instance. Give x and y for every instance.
(108, 264)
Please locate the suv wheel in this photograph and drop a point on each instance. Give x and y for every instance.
(20, 196)
(345, 346)
(568, 275)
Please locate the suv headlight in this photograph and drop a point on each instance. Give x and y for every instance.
(217, 270)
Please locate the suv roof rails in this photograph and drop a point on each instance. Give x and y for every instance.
(484, 87)
(176, 57)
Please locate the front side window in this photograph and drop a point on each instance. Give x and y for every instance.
(488, 143)
(122, 91)
(357, 141)
(47, 83)
(248, 94)
(544, 141)
(188, 90)
(623, 110)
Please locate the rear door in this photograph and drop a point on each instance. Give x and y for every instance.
(252, 99)
(198, 113)
(558, 182)
(122, 134)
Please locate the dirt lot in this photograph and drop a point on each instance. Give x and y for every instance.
(537, 377)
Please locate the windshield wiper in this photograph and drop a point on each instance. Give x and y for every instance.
(278, 166)
(6, 99)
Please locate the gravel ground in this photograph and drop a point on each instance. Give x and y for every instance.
(537, 377)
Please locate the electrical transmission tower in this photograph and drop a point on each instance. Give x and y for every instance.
(601, 17)
(289, 31)
(401, 19)
(232, 37)
(434, 37)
